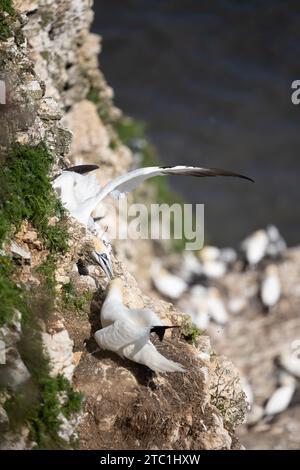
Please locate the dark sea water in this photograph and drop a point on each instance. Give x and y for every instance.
(213, 81)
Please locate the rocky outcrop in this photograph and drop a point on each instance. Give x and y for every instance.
(57, 95)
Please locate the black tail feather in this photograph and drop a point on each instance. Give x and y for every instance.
(160, 330)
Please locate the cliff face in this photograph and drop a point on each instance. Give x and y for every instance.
(59, 111)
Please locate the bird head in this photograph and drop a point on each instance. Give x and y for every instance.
(97, 252)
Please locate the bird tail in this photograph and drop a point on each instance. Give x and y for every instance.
(158, 363)
(160, 330)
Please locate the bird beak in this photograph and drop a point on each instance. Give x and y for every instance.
(105, 263)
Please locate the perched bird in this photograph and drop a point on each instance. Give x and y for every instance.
(212, 265)
(127, 331)
(216, 307)
(209, 253)
(80, 193)
(195, 305)
(289, 358)
(281, 398)
(166, 283)
(228, 256)
(255, 247)
(276, 245)
(96, 252)
(189, 267)
(270, 288)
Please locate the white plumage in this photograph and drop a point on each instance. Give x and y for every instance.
(195, 305)
(255, 247)
(270, 288)
(281, 398)
(216, 307)
(126, 332)
(166, 283)
(290, 358)
(81, 193)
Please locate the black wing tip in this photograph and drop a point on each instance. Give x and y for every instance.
(210, 172)
(81, 169)
(246, 178)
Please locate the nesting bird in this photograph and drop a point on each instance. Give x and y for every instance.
(270, 288)
(255, 247)
(289, 358)
(216, 307)
(127, 331)
(166, 283)
(212, 265)
(195, 305)
(96, 252)
(281, 398)
(276, 245)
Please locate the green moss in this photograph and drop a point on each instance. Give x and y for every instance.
(26, 193)
(189, 331)
(93, 96)
(38, 405)
(11, 296)
(73, 300)
(7, 7)
(41, 409)
(103, 105)
(7, 16)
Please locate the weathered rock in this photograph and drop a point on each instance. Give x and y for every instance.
(51, 74)
(19, 253)
(59, 348)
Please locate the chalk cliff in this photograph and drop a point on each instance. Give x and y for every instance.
(59, 111)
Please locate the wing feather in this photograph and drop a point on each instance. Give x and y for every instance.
(120, 334)
(128, 182)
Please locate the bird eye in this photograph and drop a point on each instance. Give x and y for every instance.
(104, 255)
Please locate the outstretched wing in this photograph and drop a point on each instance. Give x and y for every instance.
(75, 189)
(129, 181)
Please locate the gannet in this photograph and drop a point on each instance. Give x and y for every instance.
(281, 398)
(277, 244)
(212, 265)
(96, 252)
(126, 331)
(80, 193)
(289, 358)
(255, 247)
(195, 305)
(216, 307)
(166, 283)
(270, 288)
(189, 267)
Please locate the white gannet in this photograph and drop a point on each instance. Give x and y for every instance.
(276, 245)
(255, 247)
(166, 283)
(212, 265)
(126, 332)
(281, 398)
(228, 255)
(289, 358)
(189, 268)
(216, 307)
(195, 305)
(270, 288)
(80, 193)
(96, 252)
